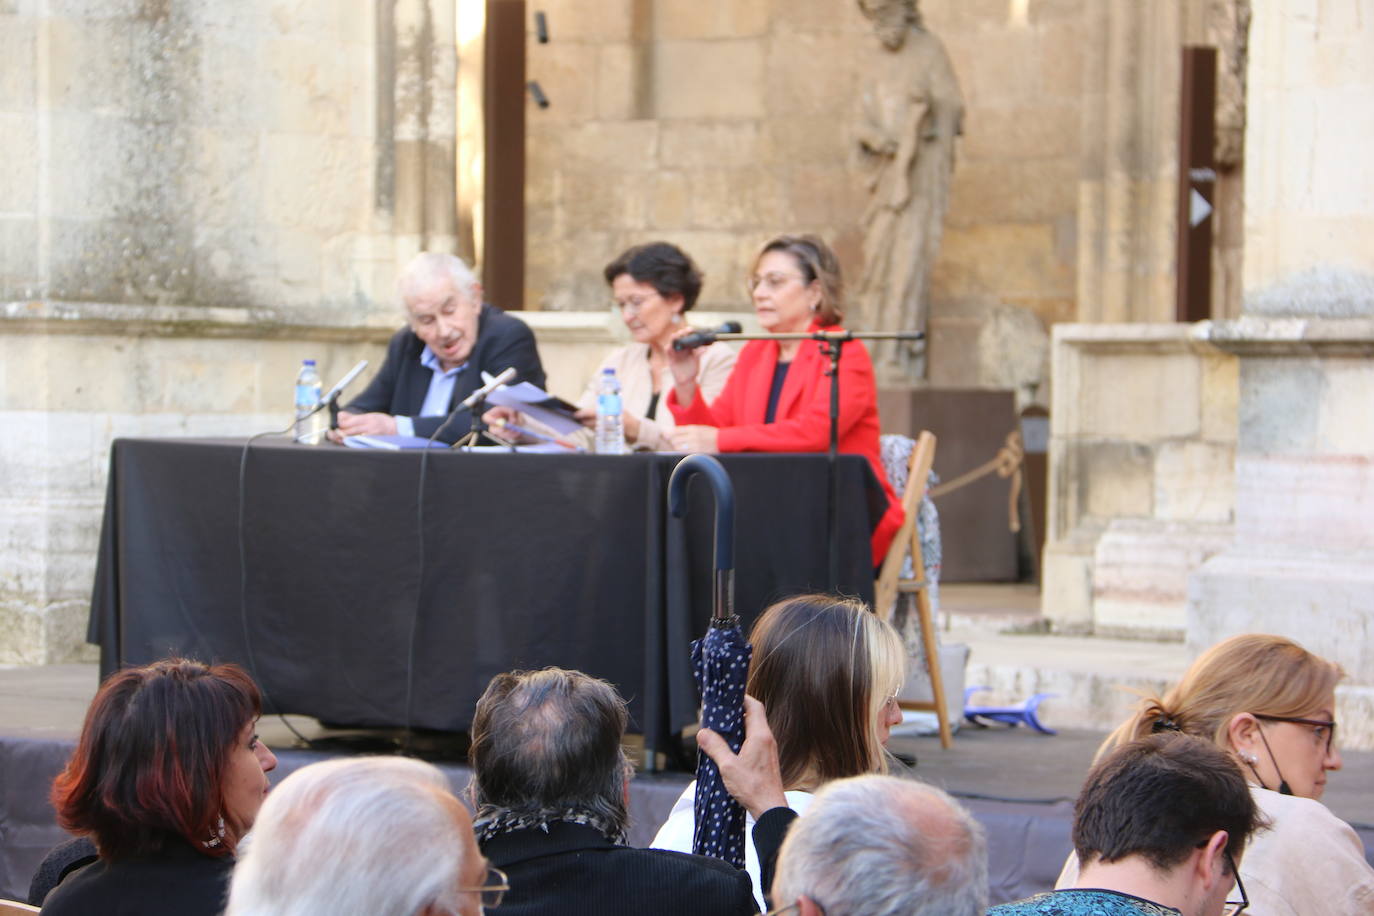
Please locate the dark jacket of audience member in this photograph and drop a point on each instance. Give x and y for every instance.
(549, 781)
(166, 778)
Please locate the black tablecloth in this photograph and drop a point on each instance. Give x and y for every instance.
(528, 561)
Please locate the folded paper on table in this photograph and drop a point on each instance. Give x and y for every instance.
(537, 404)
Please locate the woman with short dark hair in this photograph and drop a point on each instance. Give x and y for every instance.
(653, 286)
(167, 778)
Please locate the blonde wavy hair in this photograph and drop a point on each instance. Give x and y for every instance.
(1255, 673)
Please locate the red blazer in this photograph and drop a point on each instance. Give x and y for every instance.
(802, 421)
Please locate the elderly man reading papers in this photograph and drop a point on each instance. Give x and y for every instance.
(438, 359)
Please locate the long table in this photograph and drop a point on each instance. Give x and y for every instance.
(316, 569)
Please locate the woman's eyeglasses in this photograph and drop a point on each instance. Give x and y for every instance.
(770, 281)
(1322, 730)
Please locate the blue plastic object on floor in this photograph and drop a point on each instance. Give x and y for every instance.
(1008, 715)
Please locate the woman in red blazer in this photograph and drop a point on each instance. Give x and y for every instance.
(777, 399)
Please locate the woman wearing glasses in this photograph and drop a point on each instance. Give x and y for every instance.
(652, 287)
(778, 397)
(827, 671)
(1270, 703)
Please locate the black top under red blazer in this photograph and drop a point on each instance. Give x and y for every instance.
(399, 388)
(575, 871)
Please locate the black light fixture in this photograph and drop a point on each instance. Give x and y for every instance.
(537, 93)
(541, 27)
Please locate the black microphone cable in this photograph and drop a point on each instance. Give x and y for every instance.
(420, 577)
(243, 582)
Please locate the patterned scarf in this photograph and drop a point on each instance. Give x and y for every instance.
(492, 821)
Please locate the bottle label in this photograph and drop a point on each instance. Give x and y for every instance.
(608, 405)
(307, 395)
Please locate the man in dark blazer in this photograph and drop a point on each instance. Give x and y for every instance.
(550, 784)
(438, 359)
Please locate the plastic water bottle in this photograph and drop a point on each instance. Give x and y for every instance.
(610, 427)
(309, 429)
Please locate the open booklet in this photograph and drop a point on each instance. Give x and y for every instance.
(538, 405)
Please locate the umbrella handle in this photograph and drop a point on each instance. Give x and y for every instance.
(725, 502)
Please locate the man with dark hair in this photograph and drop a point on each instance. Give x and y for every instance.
(1158, 828)
(550, 783)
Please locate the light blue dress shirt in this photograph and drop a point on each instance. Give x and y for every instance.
(440, 392)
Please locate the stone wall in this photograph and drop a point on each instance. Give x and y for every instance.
(1142, 453)
(194, 196)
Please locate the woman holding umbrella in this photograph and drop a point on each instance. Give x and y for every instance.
(828, 671)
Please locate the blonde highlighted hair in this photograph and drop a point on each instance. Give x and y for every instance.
(1255, 673)
(823, 667)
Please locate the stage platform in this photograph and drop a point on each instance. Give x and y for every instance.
(1019, 784)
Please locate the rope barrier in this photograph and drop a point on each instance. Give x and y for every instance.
(1007, 463)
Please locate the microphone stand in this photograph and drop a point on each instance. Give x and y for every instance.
(832, 345)
(475, 429)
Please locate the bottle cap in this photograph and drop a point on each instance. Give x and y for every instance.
(308, 362)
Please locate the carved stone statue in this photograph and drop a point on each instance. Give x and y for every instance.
(910, 114)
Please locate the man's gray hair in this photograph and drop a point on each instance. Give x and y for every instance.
(375, 835)
(428, 266)
(884, 846)
(546, 745)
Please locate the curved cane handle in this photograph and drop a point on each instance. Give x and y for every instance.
(725, 501)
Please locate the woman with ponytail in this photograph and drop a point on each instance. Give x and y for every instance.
(1271, 704)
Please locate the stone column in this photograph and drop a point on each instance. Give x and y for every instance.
(194, 196)
(1302, 562)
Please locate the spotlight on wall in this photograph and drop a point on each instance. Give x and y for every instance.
(537, 93)
(541, 27)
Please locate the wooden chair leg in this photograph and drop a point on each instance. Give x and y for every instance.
(937, 679)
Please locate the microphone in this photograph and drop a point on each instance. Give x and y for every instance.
(702, 338)
(506, 377)
(344, 382)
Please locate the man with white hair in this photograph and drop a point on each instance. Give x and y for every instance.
(435, 362)
(377, 835)
(878, 845)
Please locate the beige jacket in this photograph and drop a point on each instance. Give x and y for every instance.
(1308, 863)
(631, 365)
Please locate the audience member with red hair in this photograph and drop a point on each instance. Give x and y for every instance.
(166, 779)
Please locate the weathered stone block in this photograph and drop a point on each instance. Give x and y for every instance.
(1019, 191)
(19, 176)
(1305, 502)
(1141, 570)
(21, 634)
(307, 87)
(1140, 396)
(672, 199)
(813, 74)
(709, 79)
(736, 199)
(18, 86)
(1026, 261)
(601, 21)
(1343, 426)
(953, 351)
(713, 144)
(94, 65)
(677, 19)
(1220, 397)
(601, 146)
(1195, 481)
(621, 82)
(313, 181)
(1277, 400)
(1062, 45)
(568, 73)
(800, 143)
(1041, 130)
(1326, 603)
(1066, 586)
(1115, 479)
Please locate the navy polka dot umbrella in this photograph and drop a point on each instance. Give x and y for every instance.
(720, 661)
